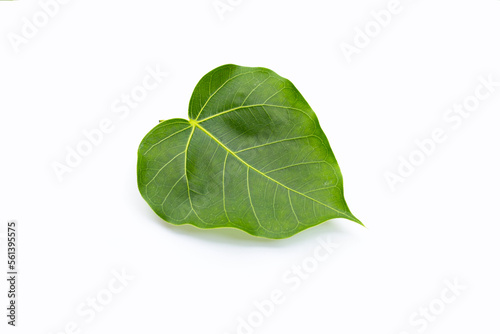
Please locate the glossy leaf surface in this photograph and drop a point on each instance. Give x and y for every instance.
(251, 156)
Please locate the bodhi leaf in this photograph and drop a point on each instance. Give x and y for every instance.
(251, 156)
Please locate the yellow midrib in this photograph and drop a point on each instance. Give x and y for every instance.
(196, 124)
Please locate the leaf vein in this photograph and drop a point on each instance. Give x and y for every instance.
(218, 89)
(266, 176)
(253, 106)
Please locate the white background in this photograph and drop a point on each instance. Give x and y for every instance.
(440, 224)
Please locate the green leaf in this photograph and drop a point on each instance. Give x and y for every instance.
(251, 156)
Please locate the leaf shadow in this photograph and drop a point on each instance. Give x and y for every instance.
(236, 237)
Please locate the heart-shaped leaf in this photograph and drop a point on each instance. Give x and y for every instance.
(251, 156)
